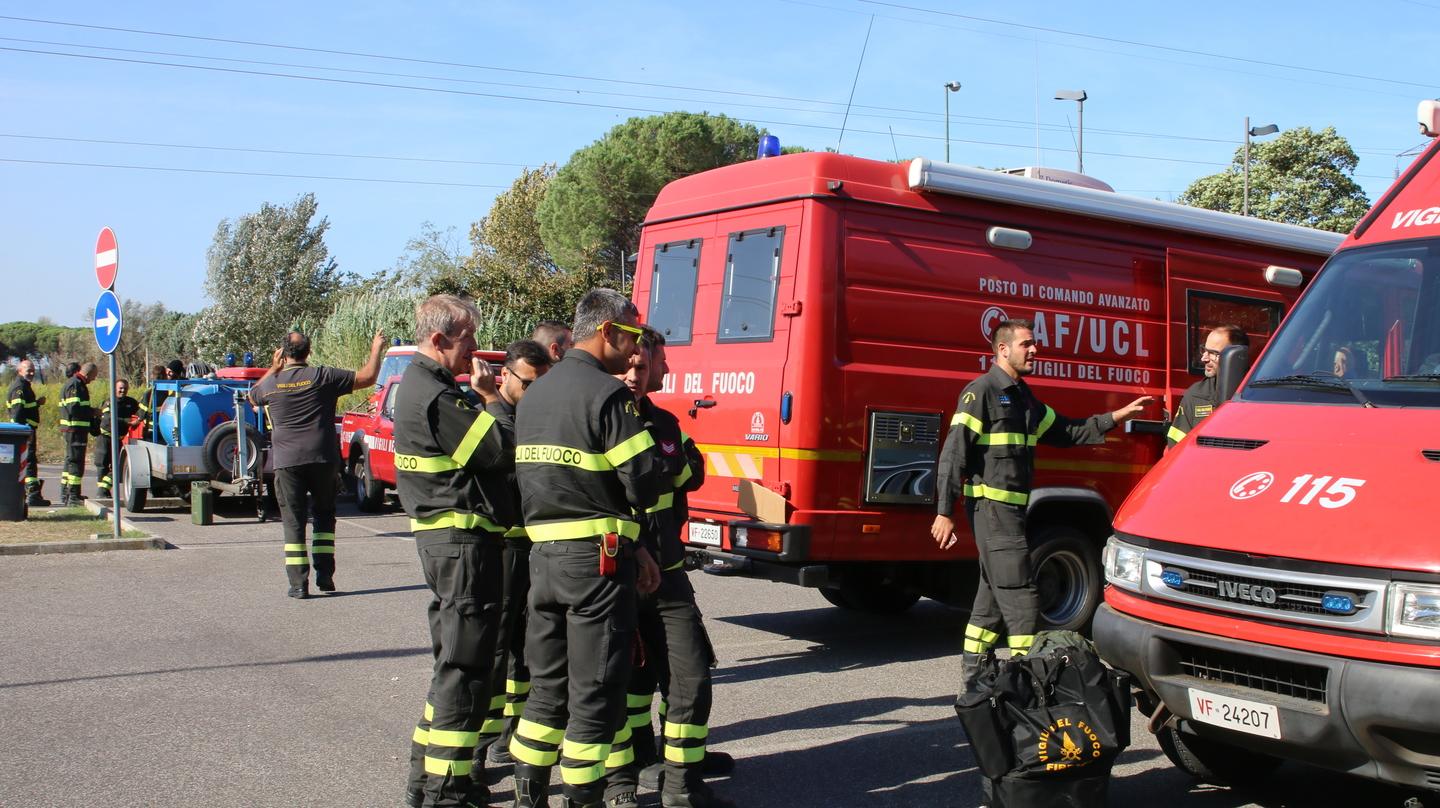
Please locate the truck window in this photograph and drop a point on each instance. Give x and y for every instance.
(672, 290)
(752, 276)
(1371, 322)
(1206, 310)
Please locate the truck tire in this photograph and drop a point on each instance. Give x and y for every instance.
(864, 591)
(1213, 761)
(835, 597)
(221, 449)
(369, 494)
(1066, 565)
(133, 498)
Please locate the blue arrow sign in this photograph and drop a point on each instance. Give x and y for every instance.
(107, 322)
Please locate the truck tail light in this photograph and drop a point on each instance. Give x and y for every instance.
(753, 538)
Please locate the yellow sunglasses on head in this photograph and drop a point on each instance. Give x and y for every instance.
(639, 332)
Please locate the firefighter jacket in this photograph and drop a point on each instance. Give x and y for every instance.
(23, 406)
(682, 471)
(151, 401)
(76, 413)
(585, 462)
(517, 527)
(451, 459)
(1195, 406)
(990, 451)
(125, 408)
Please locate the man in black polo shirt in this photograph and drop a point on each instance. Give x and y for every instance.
(299, 402)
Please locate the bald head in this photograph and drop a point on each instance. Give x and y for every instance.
(26, 369)
(90, 371)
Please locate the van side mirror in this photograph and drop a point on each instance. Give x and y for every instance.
(1234, 364)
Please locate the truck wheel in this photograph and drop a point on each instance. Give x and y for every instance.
(835, 597)
(1067, 573)
(132, 497)
(866, 591)
(369, 495)
(221, 452)
(1212, 761)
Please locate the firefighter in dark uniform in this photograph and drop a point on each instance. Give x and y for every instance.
(586, 465)
(677, 651)
(1204, 396)
(299, 402)
(126, 409)
(452, 465)
(77, 424)
(25, 409)
(151, 398)
(989, 458)
(525, 361)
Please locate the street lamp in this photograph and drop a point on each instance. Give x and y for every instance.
(950, 87)
(1252, 131)
(1078, 96)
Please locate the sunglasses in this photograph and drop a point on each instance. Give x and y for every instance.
(638, 332)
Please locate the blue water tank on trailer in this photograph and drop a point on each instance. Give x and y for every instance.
(201, 406)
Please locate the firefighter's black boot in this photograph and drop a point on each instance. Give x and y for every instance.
(532, 786)
(36, 498)
(75, 496)
(690, 791)
(970, 667)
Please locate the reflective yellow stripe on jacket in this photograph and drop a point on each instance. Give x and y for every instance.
(455, 519)
(982, 491)
(583, 529)
(984, 438)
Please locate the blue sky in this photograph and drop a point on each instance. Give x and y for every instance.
(477, 90)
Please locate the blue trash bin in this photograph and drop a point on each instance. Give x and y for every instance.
(14, 446)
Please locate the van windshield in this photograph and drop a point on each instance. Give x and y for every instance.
(1366, 334)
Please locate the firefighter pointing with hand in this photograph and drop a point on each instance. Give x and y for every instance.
(989, 459)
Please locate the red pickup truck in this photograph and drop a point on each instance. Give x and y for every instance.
(367, 435)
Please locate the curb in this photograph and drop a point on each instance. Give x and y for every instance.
(96, 544)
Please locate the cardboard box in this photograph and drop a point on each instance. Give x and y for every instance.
(762, 504)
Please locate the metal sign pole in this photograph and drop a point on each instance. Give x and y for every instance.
(114, 456)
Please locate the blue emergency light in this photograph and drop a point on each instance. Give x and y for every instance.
(769, 147)
(230, 359)
(249, 359)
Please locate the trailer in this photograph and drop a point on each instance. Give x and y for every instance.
(205, 431)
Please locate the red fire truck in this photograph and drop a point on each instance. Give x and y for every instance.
(1273, 585)
(823, 313)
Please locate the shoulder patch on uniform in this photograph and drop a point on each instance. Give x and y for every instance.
(631, 408)
(1203, 410)
(1180, 411)
(1004, 399)
(967, 398)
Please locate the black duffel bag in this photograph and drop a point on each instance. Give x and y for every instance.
(1046, 727)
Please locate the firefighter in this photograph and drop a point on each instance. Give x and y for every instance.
(555, 337)
(1204, 396)
(452, 466)
(126, 410)
(25, 409)
(299, 401)
(525, 361)
(151, 398)
(585, 464)
(77, 424)
(989, 459)
(677, 651)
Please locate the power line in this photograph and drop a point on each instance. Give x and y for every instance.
(245, 173)
(927, 115)
(1140, 44)
(262, 151)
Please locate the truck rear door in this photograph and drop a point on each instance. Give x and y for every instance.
(720, 291)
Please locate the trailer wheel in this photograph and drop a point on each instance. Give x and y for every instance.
(221, 452)
(369, 495)
(1067, 574)
(1212, 761)
(132, 497)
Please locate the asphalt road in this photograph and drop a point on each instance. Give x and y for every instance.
(186, 677)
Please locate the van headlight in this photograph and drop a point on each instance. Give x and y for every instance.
(1124, 564)
(1414, 611)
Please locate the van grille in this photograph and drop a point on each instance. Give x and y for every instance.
(1279, 677)
(1288, 597)
(1243, 444)
(906, 428)
(1431, 454)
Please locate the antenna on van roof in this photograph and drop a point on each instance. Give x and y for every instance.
(845, 120)
(893, 147)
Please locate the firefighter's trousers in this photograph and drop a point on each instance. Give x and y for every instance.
(578, 643)
(1006, 602)
(303, 490)
(678, 658)
(462, 569)
(30, 465)
(104, 475)
(509, 678)
(74, 471)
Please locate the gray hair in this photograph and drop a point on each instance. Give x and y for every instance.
(89, 369)
(447, 315)
(599, 306)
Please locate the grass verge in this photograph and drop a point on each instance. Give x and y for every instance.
(59, 524)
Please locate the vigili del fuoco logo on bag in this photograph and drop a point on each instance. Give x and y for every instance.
(1058, 749)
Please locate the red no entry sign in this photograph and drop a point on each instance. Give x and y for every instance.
(107, 258)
